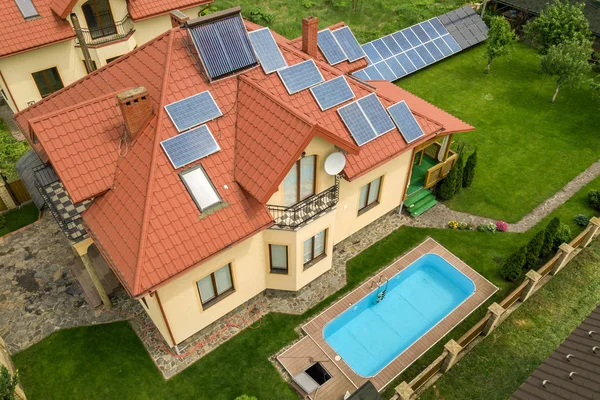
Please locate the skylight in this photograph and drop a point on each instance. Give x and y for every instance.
(27, 9)
(200, 188)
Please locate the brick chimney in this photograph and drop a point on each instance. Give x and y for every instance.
(310, 30)
(136, 109)
(177, 18)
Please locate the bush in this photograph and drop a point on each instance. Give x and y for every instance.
(308, 3)
(469, 171)
(2, 221)
(8, 384)
(594, 199)
(534, 247)
(259, 16)
(10, 151)
(462, 226)
(245, 397)
(550, 237)
(447, 188)
(581, 220)
(501, 226)
(460, 167)
(487, 227)
(512, 269)
(563, 235)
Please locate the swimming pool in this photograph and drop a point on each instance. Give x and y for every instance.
(370, 334)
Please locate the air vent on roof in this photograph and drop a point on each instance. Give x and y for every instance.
(222, 43)
(27, 9)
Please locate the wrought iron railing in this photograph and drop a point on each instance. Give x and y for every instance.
(108, 31)
(293, 216)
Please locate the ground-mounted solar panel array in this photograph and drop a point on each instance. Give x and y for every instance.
(193, 111)
(401, 53)
(300, 76)
(190, 146)
(266, 50)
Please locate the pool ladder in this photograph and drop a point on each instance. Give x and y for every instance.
(381, 292)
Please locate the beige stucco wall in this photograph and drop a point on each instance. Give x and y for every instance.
(156, 315)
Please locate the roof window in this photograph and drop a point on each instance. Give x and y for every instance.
(27, 9)
(200, 188)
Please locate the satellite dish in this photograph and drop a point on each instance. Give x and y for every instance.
(334, 163)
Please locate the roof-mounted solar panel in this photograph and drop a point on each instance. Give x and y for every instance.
(357, 123)
(223, 45)
(349, 44)
(27, 9)
(190, 146)
(406, 122)
(300, 76)
(330, 47)
(361, 74)
(376, 114)
(372, 54)
(266, 50)
(193, 111)
(331, 93)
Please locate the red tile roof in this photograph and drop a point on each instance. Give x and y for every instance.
(147, 225)
(18, 35)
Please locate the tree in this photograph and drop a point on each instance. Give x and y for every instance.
(10, 151)
(594, 199)
(595, 86)
(567, 63)
(558, 22)
(500, 40)
(8, 384)
(534, 247)
(512, 269)
(550, 237)
(447, 188)
(469, 171)
(460, 168)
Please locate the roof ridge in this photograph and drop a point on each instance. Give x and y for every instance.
(156, 144)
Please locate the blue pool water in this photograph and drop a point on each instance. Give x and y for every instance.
(369, 335)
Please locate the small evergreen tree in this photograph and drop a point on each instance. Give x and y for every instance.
(8, 384)
(594, 199)
(500, 40)
(447, 187)
(469, 171)
(460, 168)
(550, 236)
(512, 269)
(534, 248)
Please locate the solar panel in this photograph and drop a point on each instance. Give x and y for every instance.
(411, 37)
(454, 46)
(372, 54)
(349, 44)
(190, 146)
(330, 47)
(385, 71)
(357, 123)
(331, 93)
(434, 51)
(27, 9)
(439, 27)
(382, 48)
(402, 41)
(375, 112)
(415, 58)
(420, 33)
(223, 45)
(267, 50)
(428, 58)
(395, 67)
(429, 29)
(373, 73)
(300, 76)
(361, 74)
(408, 66)
(193, 111)
(405, 121)
(439, 42)
(390, 42)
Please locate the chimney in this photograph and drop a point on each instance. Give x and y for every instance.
(177, 18)
(310, 30)
(136, 109)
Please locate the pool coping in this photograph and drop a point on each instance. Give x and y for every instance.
(313, 329)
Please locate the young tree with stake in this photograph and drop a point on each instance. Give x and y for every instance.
(500, 40)
(567, 63)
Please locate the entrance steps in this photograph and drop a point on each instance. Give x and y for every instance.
(419, 202)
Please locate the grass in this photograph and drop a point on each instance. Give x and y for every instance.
(527, 337)
(528, 147)
(20, 217)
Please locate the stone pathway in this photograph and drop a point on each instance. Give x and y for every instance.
(6, 115)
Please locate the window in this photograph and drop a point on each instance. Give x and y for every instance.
(300, 181)
(369, 196)
(314, 248)
(109, 60)
(48, 81)
(93, 66)
(278, 256)
(27, 9)
(200, 187)
(99, 18)
(216, 286)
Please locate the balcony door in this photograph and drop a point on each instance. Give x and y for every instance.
(99, 18)
(300, 181)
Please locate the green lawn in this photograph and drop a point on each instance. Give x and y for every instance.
(19, 218)
(528, 147)
(503, 361)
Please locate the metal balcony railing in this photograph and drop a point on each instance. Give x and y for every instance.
(293, 216)
(108, 31)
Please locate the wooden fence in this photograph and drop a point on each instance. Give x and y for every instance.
(16, 192)
(487, 324)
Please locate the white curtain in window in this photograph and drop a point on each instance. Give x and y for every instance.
(308, 250)
(290, 187)
(278, 256)
(223, 279)
(205, 287)
(362, 202)
(307, 177)
(319, 244)
(374, 191)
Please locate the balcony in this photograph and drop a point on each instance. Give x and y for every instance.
(312, 207)
(106, 33)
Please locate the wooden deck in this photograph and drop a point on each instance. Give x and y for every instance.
(313, 347)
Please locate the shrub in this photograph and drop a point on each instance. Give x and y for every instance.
(259, 16)
(594, 199)
(447, 188)
(581, 220)
(550, 237)
(2, 221)
(501, 226)
(512, 269)
(8, 384)
(465, 226)
(469, 171)
(487, 227)
(563, 235)
(460, 168)
(245, 397)
(453, 224)
(534, 247)
(308, 3)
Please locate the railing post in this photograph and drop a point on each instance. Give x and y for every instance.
(495, 310)
(452, 349)
(404, 391)
(593, 227)
(533, 277)
(565, 249)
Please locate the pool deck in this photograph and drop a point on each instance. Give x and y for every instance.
(313, 347)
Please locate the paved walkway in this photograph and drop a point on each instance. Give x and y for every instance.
(6, 115)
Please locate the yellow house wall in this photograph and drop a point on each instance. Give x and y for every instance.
(153, 310)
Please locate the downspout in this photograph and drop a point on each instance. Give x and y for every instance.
(87, 59)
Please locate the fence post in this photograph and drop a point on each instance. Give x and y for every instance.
(533, 277)
(494, 311)
(594, 225)
(404, 391)
(566, 251)
(452, 350)
(6, 196)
